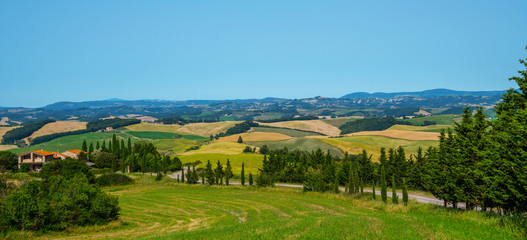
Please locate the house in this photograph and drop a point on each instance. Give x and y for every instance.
(37, 158)
(74, 153)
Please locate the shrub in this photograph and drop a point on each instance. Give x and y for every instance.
(264, 180)
(113, 179)
(67, 168)
(24, 167)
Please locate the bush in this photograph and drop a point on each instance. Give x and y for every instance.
(56, 204)
(67, 168)
(24, 167)
(264, 180)
(314, 181)
(159, 177)
(113, 179)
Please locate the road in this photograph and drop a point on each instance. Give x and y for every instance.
(418, 198)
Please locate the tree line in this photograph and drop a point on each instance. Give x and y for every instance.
(236, 129)
(11, 136)
(374, 124)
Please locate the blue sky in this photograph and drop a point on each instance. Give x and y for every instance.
(176, 50)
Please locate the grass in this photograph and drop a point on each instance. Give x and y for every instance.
(165, 135)
(148, 127)
(3, 130)
(308, 125)
(285, 131)
(166, 210)
(400, 134)
(252, 161)
(206, 129)
(302, 144)
(175, 145)
(430, 128)
(58, 127)
(439, 119)
(73, 142)
(255, 136)
(337, 122)
(373, 144)
(220, 148)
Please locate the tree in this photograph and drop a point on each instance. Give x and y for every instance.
(395, 198)
(209, 174)
(84, 146)
(243, 174)
(8, 160)
(219, 173)
(228, 172)
(247, 149)
(264, 149)
(103, 160)
(250, 179)
(405, 193)
(240, 140)
(361, 187)
(98, 146)
(90, 149)
(373, 191)
(384, 194)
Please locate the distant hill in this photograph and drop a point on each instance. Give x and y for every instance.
(427, 93)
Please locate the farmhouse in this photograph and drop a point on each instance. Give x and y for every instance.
(37, 158)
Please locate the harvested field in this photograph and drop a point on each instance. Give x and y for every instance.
(308, 125)
(219, 148)
(149, 127)
(3, 130)
(430, 128)
(401, 134)
(58, 127)
(7, 147)
(255, 136)
(206, 129)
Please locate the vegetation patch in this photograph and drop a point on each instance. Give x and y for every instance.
(148, 127)
(220, 148)
(58, 127)
(164, 135)
(22, 132)
(430, 128)
(252, 161)
(206, 129)
(113, 179)
(301, 144)
(401, 134)
(285, 131)
(255, 136)
(308, 125)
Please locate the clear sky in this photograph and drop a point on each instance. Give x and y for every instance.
(177, 50)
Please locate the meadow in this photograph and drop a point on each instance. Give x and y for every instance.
(285, 131)
(308, 125)
(302, 144)
(252, 161)
(166, 210)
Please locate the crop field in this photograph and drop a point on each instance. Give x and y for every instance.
(179, 145)
(252, 161)
(284, 131)
(308, 125)
(220, 147)
(439, 119)
(148, 127)
(430, 128)
(401, 134)
(206, 129)
(73, 142)
(302, 144)
(167, 210)
(3, 130)
(337, 122)
(164, 135)
(7, 147)
(373, 144)
(255, 136)
(58, 127)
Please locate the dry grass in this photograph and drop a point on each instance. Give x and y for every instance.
(7, 147)
(207, 129)
(430, 128)
(219, 148)
(3, 130)
(255, 137)
(58, 127)
(148, 127)
(401, 134)
(309, 125)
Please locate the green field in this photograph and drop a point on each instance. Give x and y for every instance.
(164, 135)
(73, 142)
(252, 161)
(430, 128)
(175, 145)
(166, 210)
(337, 122)
(302, 144)
(439, 119)
(285, 131)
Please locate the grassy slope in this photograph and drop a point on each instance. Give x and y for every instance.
(58, 127)
(164, 135)
(220, 148)
(308, 125)
(304, 144)
(73, 142)
(178, 211)
(285, 131)
(431, 128)
(439, 119)
(175, 145)
(255, 136)
(337, 122)
(206, 129)
(252, 161)
(373, 144)
(148, 127)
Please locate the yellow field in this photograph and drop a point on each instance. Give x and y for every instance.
(58, 127)
(353, 148)
(309, 125)
(220, 148)
(255, 137)
(419, 128)
(148, 127)
(401, 134)
(207, 129)
(3, 130)
(7, 147)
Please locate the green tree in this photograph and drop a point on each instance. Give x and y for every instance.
(98, 146)
(90, 149)
(219, 173)
(240, 140)
(384, 193)
(210, 174)
(84, 146)
(250, 179)
(228, 172)
(405, 193)
(395, 198)
(243, 174)
(373, 191)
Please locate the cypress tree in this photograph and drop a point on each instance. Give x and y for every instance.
(250, 179)
(183, 175)
(351, 181)
(240, 140)
(228, 172)
(243, 174)
(84, 146)
(90, 149)
(356, 182)
(384, 194)
(97, 147)
(361, 186)
(405, 193)
(373, 191)
(395, 198)
(210, 173)
(219, 173)
(203, 177)
(129, 146)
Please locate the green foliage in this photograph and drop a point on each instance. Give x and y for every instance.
(264, 149)
(113, 123)
(263, 180)
(67, 168)
(24, 167)
(247, 149)
(8, 161)
(384, 192)
(250, 179)
(405, 193)
(113, 179)
(370, 124)
(209, 174)
(242, 175)
(240, 140)
(22, 132)
(395, 198)
(228, 172)
(103, 159)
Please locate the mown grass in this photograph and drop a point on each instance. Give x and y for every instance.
(252, 161)
(285, 131)
(302, 144)
(166, 210)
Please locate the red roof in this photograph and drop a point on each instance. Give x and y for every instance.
(42, 152)
(76, 151)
